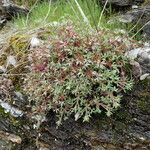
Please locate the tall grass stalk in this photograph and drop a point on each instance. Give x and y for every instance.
(27, 18)
(82, 13)
(100, 18)
(50, 2)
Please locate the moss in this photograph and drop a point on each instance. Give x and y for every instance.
(120, 125)
(19, 43)
(2, 113)
(123, 116)
(144, 96)
(45, 33)
(144, 85)
(6, 116)
(142, 92)
(144, 105)
(18, 46)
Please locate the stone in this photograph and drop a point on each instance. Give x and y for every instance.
(2, 21)
(15, 10)
(136, 69)
(123, 3)
(144, 76)
(140, 17)
(142, 14)
(9, 10)
(146, 31)
(2, 69)
(12, 110)
(35, 42)
(120, 2)
(140, 61)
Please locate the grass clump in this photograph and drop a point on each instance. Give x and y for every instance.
(80, 74)
(45, 13)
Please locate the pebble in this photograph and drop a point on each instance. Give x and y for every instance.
(35, 42)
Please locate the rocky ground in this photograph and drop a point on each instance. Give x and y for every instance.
(127, 129)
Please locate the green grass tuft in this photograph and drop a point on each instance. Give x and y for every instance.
(45, 13)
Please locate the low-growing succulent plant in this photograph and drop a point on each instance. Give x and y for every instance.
(79, 74)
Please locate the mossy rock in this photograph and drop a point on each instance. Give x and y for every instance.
(144, 96)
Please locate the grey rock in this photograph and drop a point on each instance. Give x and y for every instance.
(136, 69)
(9, 10)
(14, 10)
(144, 60)
(144, 76)
(12, 110)
(120, 2)
(12, 101)
(19, 101)
(142, 51)
(140, 17)
(147, 134)
(140, 62)
(142, 14)
(126, 18)
(123, 3)
(2, 69)
(146, 31)
(2, 21)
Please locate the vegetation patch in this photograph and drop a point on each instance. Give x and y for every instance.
(42, 14)
(80, 74)
(80, 69)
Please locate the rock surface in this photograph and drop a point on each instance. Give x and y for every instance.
(141, 61)
(134, 11)
(123, 3)
(127, 129)
(9, 10)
